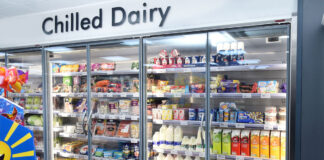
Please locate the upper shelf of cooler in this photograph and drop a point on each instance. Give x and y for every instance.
(268, 67)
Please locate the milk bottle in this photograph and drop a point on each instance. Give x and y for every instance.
(160, 157)
(169, 137)
(178, 157)
(188, 158)
(177, 138)
(162, 136)
(156, 140)
(199, 146)
(185, 143)
(192, 144)
(197, 158)
(169, 157)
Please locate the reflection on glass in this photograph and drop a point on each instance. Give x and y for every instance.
(176, 95)
(115, 98)
(69, 87)
(29, 95)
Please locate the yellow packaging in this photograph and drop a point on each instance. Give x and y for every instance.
(283, 146)
(167, 114)
(275, 145)
(255, 143)
(265, 144)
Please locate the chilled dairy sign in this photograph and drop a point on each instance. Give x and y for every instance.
(75, 21)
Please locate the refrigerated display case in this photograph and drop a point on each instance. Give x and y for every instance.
(31, 96)
(209, 94)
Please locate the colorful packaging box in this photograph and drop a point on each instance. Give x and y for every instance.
(245, 143)
(226, 142)
(283, 146)
(265, 144)
(236, 142)
(255, 143)
(275, 145)
(217, 141)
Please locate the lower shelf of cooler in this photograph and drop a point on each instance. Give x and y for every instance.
(80, 156)
(202, 154)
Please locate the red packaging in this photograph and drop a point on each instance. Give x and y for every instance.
(175, 114)
(157, 61)
(172, 61)
(165, 61)
(182, 114)
(245, 143)
(175, 53)
(163, 54)
(236, 142)
(180, 60)
(107, 66)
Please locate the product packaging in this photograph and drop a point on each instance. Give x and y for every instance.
(226, 142)
(217, 141)
(236, 142)
(275, 145)
(283, 146)
(245, 143)
(255, 143)
(265, 144)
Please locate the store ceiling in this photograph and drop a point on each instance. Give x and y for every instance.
(10, 8)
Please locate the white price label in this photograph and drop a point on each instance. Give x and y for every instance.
(184, 123)
(79, 95)
(186, 70)
(160, 150)
(136, 94)
(24, 95)
(158, 121)
(100, 95)
(112, 116)
(196, 95)
(239, 125)
(109, 95)
(122, 117)
(73, 136)
(224, 125)
(160, 71)
(109, 72)
(246, 95)
(281, 127)
(134, 140)
(268, 127)
(123, 95)
(220, 157)
(265, 95)
(201, 154)
(239, 158)
(188, 153)
(102, 116)
(257, 159)
(159, 95)
(174, 152)
(177, 95)
(134, 118)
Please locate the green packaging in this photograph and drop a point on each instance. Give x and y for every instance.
(217, 141)
(67, 80)
(226, 142)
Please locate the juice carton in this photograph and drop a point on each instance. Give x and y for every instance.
(264, 144)
(245, 143)
(275, 145)
(283, 146)
(255, 143)
(226, 142)
(236, 142)
(217, 141)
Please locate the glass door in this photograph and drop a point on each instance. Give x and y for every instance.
(248, 85)
(30, 95)
(115, 100)
(175, 92)
(68, 90)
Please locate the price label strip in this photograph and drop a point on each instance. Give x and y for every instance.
(246, 95)
(268, 127)
(134, 118)
(224, 125)
(220, 157)
(102, 116)
(239, 125)
(188, 153)
(174, 152)
(122, 117)
(239, 158)
(184, 123)
(123, 95)
(265, 95)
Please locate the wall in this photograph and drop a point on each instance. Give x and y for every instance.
(311, 89)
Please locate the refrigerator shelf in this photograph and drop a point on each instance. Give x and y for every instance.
(118, 116)
(219, 95)
(202, 154)
(40, 128)
(99, 138)
(115, 95)
(39, 149)
(223, 124)
(81, 95)
(266, 67)
(33, 111)
(80, 156)
(24, 94)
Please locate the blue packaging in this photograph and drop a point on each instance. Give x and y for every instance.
(196, 59)
(243, 117)
(221, 116)
(201, 113)
(233, 115)
(192, 114)
(108, 154)
(118, 155)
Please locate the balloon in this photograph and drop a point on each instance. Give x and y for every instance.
(12, 76)
(22, 76)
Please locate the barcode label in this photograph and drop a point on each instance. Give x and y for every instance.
(224, 125)
(268, 127)
(265, 95)
(246, 95)
(240, 125)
